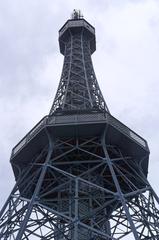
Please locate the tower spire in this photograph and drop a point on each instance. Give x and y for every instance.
(78, 88)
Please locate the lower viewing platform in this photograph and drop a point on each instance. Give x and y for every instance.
(80, 119)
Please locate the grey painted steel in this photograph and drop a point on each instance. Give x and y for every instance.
(79, 119)
(80, 173)
(82, 199)
(78, 88)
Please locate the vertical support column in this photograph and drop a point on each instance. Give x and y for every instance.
(70, 206)
(3, 209)
(90, 205)
(12, 204)
(147, 182)
(37, 189)
(76, 210)
(6, 203)
(84, 67)
(120, 194)
(69, 70)
(20, 179)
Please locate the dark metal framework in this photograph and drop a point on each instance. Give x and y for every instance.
(80, 173)
(78, 88)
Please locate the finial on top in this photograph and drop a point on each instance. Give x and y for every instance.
(76, 14)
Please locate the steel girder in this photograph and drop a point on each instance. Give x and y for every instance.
(78, 88)
(81, 188)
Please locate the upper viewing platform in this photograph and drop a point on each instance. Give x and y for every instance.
(75, 25)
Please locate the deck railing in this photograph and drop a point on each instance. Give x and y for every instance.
(78, 119)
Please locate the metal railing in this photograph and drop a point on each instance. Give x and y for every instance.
(127, 131)
(81, 118)
(76, 23)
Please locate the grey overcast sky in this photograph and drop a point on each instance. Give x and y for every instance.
(126, 65)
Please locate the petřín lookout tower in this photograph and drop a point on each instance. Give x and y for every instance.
(80, 173)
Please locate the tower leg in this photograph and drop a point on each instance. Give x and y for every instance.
(36, 191)
(118, 188)
(138, 212)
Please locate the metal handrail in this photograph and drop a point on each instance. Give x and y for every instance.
(75, 118)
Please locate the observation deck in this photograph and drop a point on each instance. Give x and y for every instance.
(84, 125)
(73, 26)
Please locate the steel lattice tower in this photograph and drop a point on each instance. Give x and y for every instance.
(80, 173)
